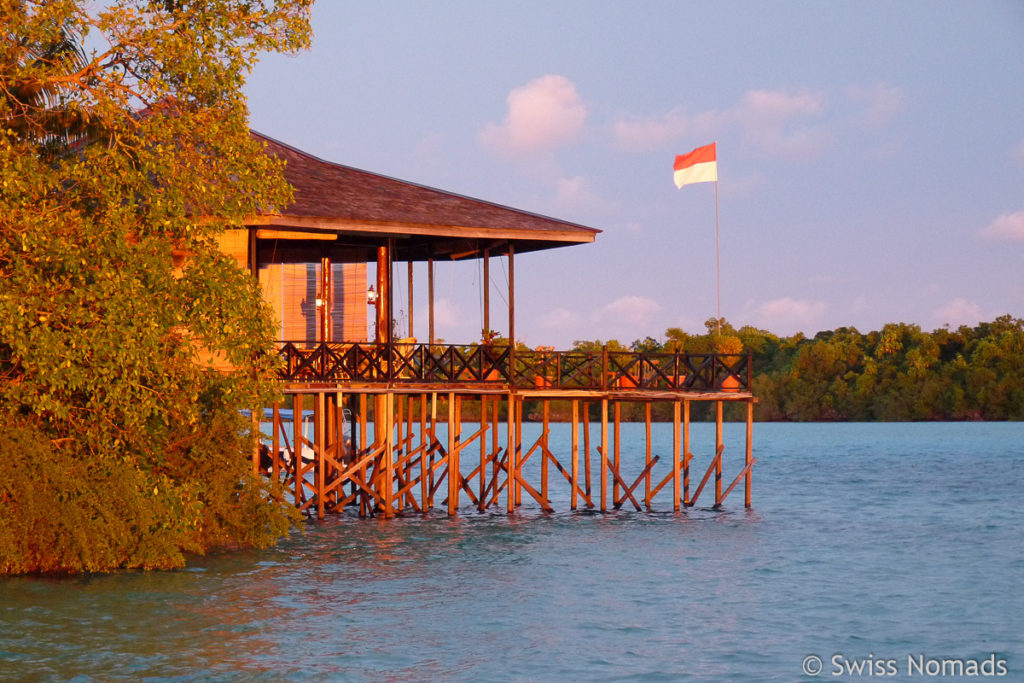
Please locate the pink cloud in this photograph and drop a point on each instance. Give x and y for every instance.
(879, 103)
(958, 312)
(544, 114)
(790, 314)
(1008, 227)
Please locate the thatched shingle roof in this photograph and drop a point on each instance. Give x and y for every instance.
(426, 222)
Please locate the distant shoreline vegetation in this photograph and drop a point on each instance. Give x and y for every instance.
(898, 373)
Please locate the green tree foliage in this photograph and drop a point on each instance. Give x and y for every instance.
(119, 166)
(896, 373)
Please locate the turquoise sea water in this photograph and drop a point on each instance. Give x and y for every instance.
(895, 550)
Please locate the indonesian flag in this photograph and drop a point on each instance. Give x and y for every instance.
(699, 166)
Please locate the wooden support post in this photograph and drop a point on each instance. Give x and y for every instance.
(544, 452)
(277, 443)
(748, 460)
(487, 291)
(389, 455)
(297, 446)
(647, 454)
(574, 482)
(453, 458)
(675, 457)
(481, 503)
(411, 333)
(510, 454)
(430, 300)
(344, 450)
(511, 308)
(686, 453)
(424, 483)
(364, 504)
(718, 445)
(519, 451)
(398, 449)
(616, 493)
(604, 455)
(586, 448)
(319, 439)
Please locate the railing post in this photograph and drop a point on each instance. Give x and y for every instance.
(604, 368)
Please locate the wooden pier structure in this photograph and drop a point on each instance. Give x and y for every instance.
(377, 426)
(377, 443)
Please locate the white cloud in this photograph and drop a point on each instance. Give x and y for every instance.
(879, 104)
(779, 106)
(648, 133)
(958, 312)
(634, 312)
(777, 122)
(543, 114)
(1008, 227)
(790, 314)
(773, 121)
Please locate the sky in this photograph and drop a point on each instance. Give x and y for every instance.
(870, 154)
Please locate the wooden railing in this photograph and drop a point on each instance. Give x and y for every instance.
(501, 366)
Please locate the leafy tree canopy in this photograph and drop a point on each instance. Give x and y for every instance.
(124, 153)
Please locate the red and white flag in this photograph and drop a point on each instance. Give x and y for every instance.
(699, 166)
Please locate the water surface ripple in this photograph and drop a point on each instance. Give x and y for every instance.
(866, 541)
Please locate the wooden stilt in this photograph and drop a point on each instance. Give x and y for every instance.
(748, 460)
(482, 476)
(604, 455)
(364, 504)
(676, 464)
(586, 448)
(297, 439)
(510, 454)
(647, 454)
(389, 455)
(616, 493)
(544, 452)
(424, 466)
(718, 446)
(518, 412)
(686, 453)
(574, 482)
(453, 458)
(276, 443)
(319, 454)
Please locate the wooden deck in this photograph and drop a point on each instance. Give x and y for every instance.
(378, 428)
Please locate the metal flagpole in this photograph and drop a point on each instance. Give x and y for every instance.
(718, 257)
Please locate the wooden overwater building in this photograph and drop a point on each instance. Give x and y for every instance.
(375, 425)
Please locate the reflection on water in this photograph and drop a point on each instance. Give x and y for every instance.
(866, 542)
